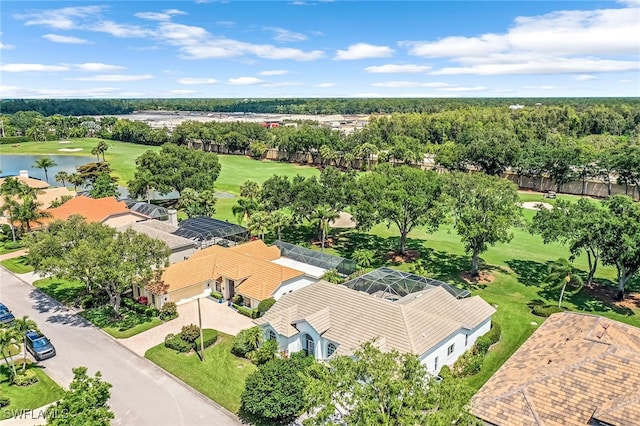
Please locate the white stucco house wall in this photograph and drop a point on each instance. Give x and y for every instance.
(324, 319)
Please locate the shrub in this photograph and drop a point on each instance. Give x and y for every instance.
(237, 299)
(25, 378)
(266, 352)
(216, 295)
(175, 342)
(151, 312)
(494, 333)
(246, 341)
(190, 333)
(4, 401)
(483, 343)
(545, 311)
(13, 245)
(87, 302)
(169, 311)
(247, 312)
(265, 305)
(210, 336)
(468, 364)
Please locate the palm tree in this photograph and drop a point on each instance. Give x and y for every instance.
(259, 224)
(95, 151)
(7, 342)
(10, 206)
(249, 189)
(560, 276)
(76, 180)
(323, 215)
(278, 220)
(45, 163)
(244, 209)
(102, 148)
(61, 176)
(22, 325)
(30, 212)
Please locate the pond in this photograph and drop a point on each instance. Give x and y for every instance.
(11, 164)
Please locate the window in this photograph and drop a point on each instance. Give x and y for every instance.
(218, 286)
(331, 348)
(272, 335)
(153, 299)
(309, 345)
(450, 349)
(435, 364)
(246, 302)
(466, 340)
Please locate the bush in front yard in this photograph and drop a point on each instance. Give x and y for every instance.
(4, 401)
(266, 352)
(25, 378)
(545, 311)
(265, 305)
(169, 311)
(246, 341)
(216, 295)
(190, 333)
(210, 337)
(175, 342)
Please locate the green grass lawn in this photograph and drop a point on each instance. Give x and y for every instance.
(17, 265)
(64, 291)
(28, 397)
(220, 377)
(130, 323)
(5, 250)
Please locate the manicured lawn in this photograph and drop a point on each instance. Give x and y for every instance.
(17, 265)
(5, 250)
(220, 377)
(28, 397)
(64, 291)
(130, 323)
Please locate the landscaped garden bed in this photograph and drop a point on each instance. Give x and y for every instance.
(29, 397)
(17, 265)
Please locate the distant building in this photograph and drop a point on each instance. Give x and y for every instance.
(516, 107)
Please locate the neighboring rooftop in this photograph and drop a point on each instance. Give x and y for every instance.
(207, 231)
(92, 209)
(391, 284)
(29, 181)
(159, 231)
(350, 317)
(576, 369)
(316, 258)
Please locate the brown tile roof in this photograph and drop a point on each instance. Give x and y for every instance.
(31, 182)
(574, 369)
(93, 209)
(257, 249)
(350, 318)
(259, 278)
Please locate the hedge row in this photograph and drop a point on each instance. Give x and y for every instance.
(209, 335)
(545, 311)
(247, 312)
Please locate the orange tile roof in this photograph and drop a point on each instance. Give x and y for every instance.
(574, 369)
(258, 277)
(257, 249)
(93, 209)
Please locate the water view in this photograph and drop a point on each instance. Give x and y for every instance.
(11, 164)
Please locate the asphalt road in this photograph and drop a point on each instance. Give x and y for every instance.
(142, 393)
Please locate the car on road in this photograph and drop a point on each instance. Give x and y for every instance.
(6, 316)
(39, 345)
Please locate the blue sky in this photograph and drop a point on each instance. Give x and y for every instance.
(247, 49)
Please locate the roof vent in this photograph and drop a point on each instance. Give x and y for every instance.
(599, 334)
(605, 325)
(549, 361)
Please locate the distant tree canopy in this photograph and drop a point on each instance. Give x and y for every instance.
(175, 168)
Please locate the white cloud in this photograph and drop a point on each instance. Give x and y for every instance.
(121, 30)
(226, 24)
(246, 81)
(195, 80)
(544, 87)
(116, 77)
(63, 19)
(398, 84)
(6, 46)
(625, 81)
(568, 41)
(364, 51)
(398, 69)
(274, 72)
(428, 95)
(163, 16)
(283, 84)
(98, 67)
(179, 92)
(280, 34)
(57, 38)
(584, 77)
(325, 85)
(88, 92)
(462, 89)
(367, 95)
(32, 68)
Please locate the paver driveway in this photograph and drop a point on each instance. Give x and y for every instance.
(214, 315)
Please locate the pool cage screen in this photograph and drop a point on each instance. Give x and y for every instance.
(206, 231)
(316, 258)
(393, 285)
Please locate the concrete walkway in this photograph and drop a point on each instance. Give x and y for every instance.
(215, 315)
(12, 255)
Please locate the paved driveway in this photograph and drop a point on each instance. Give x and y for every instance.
(214, 315)
(142, 393)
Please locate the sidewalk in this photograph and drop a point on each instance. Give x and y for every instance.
(12, 255)
(214, 315)
(24, 417)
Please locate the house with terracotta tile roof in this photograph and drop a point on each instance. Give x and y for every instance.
(324, 319)
(248, 270)
(576, 369)
(106, 210)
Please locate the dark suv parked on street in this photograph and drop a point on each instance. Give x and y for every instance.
(39, 346)
(6, 317)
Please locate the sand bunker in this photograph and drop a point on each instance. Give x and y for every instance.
(533, 205)
(70, 149)
(64, 142)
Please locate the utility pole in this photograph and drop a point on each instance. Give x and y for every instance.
(201, 335)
